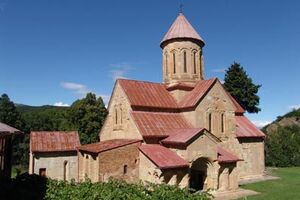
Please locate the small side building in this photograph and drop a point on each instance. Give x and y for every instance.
(118, 158)
(6, 134)
(54, 154)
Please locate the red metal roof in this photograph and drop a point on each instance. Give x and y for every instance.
(54, 141)
(158, 124)
(162, 157)
(8, 130)
(245, 129)
(238, 107)
(200, 90)
(106, 145)
(181, 136)
(225, 156)
(146, 94)
(181, 28)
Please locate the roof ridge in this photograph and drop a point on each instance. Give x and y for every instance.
(123, 79)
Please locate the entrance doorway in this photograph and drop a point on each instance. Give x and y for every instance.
(199, 173)
(197, 179)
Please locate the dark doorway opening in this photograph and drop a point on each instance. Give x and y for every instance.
(197, 179)
(42, 172)
(198, 174)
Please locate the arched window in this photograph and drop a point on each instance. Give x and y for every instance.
(184, 62)
(194, 62)
(174, 63)
(200, 61)
(65, 170)
(116, 116)
(86, 166)
(166, 63)
(125, 169)
(209, 122)
(121, 116)
(222, 122)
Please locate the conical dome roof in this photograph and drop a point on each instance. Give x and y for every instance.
(181, 28)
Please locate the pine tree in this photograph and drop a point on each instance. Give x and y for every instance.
(241, 87)
(8, 112)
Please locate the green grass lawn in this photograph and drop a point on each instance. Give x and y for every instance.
(287, 187)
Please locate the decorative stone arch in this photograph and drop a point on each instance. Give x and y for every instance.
(201, 174)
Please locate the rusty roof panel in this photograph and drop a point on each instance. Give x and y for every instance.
(54, 141)
(225, 156)
(158, 124)
(200, 90)
(146, 94)
(8, 130)
(106, 145)
(162, 157)
(181, 136)
(245, 129)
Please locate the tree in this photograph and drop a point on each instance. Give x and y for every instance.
(241, 87)
(88, 115)
(283, 147)
(9, 115)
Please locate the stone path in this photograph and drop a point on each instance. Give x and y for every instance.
(235, 194)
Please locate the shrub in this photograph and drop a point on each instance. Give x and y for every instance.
(118, 190)
(283, 147)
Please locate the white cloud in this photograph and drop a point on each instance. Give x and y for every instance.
(81, 90)
(292, 107)
(117, 74)
(120, 70)
(61, 104)
(221, 70)
(260, 124)
(77, 88)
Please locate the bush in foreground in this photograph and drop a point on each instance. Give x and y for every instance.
(34, 187)
(118, 190)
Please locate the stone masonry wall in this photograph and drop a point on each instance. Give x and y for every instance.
(125, 130)
(120, 163)
(54, 164)
(215, 102)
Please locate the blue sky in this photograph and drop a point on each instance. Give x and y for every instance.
(54, 51)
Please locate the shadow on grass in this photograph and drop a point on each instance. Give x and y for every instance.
(24, 186)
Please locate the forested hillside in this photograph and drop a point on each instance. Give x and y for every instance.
(85, 115)
(283, 140)
(289, 119)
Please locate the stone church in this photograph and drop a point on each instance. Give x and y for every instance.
(187, 130)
